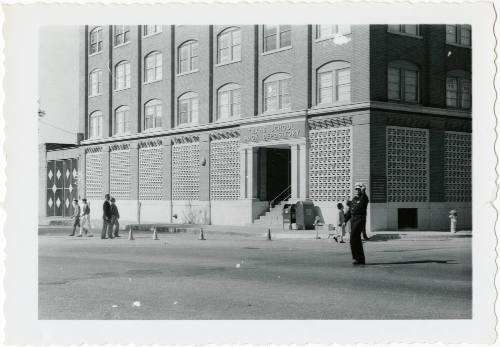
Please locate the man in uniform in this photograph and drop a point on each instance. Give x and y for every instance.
(107, 227)
(357, 215)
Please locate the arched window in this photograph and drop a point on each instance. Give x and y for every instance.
(403, 81)
(229, 101)
(277, 92)
(458, 89)
(95, 82)
(122, 34)
(153, 67)
(332, 30)
(95, 40)
(188, 57)
(121, 120)
(122, 75)
(95, 125)
(152, 114)
(187, 108)
(277, 37)
(334, 82)
(229, 46)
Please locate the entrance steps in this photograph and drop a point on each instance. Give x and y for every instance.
(272, 217)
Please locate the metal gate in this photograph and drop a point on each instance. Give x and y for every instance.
(62, 186)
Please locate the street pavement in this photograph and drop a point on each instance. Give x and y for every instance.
(247, 277)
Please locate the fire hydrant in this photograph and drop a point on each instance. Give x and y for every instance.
(453, 221)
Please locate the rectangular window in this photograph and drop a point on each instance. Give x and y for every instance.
(224, 107)
(122, 79)
(325, 87)
(276, 37)
(466, 93)
(95, 41)
(121, 122)
(344, 85)
(331, 30)
(188, 111)
(229, 46)
(277, 96)
(152, 116)
(394, 85)
(122, 34)
(410, 29)
(451, 92)
(95, 83)
(151, 29)
(411, 85)
(459, 34)
(153, 67)
(188, 57)
(271, 96)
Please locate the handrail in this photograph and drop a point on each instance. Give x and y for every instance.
(271, 203)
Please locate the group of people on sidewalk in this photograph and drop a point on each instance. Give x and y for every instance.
(356, 214)
(81, 218)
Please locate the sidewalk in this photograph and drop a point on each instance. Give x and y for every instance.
(63, 226)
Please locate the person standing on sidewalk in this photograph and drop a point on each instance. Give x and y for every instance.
(115, 215)
(363, 191)
(85, 219)
(357, 215)
(340, 224)
(75, 216)
(107, 227)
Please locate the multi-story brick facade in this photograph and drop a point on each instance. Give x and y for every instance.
(245, 112)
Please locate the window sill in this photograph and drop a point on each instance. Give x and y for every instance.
(185, 125)
(122, 134)
(228, 63)
(187, 73)
(94, 54)
(331, 104)
(150, 35)
(458, 45)
(333, 37)
(152, 82)
(121, 89)
(94, 96)
(152, 130)
(229, 119)
(122, 44)
(266, 113)
(405, 34)
(277, 50)
(404, 102)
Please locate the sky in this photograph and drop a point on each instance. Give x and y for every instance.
(58, 83)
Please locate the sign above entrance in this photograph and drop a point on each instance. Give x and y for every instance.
(273, 132)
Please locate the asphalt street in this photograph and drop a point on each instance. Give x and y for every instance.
(234, 277)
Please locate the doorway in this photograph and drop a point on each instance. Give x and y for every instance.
(407, 218)
(274, 173)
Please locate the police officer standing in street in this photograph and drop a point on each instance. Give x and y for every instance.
(357, 215)
(107, 227)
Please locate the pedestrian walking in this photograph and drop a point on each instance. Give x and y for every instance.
(107, 228)
(85, 219)
(357, 216)
(340, 224)
(115, 216)
(75, 216)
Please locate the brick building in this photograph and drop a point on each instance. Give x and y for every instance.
(211, 123)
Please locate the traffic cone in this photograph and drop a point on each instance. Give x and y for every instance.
(130, 234)
(155, 234)
(269, 235)
(202, 236)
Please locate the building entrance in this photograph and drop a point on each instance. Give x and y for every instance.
(274, 174)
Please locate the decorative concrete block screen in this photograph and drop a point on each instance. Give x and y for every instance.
(93, 174)
(150, 170)
(225, 169)
(407, 164)
(186, 171)
(457, 166)
(119, 175)
(330, 164)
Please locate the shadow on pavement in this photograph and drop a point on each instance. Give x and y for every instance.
(416, 262)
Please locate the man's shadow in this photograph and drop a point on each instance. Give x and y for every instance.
(416, 262)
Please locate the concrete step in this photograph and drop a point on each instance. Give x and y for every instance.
(61, 222)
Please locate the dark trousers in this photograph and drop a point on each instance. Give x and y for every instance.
(365, 237)
(76, 224)
(115, 224)
(357, 224)
(107, 229)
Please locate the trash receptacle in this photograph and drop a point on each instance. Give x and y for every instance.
(288, 214)
(304, 212)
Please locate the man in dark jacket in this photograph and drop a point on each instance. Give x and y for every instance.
(107, 228)
(357, 215)
(115, 215)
